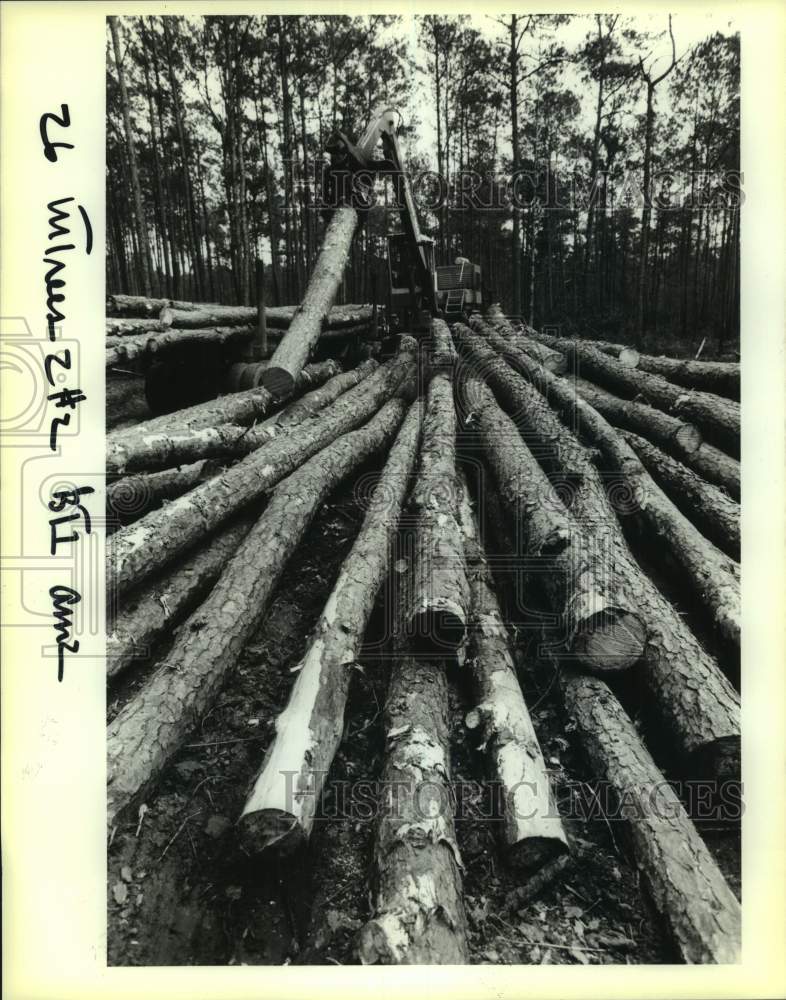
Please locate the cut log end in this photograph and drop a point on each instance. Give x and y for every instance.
(629, 357)
(278, 382)
(611, 640)
(266, 829)
(437, 631)
(689, 438)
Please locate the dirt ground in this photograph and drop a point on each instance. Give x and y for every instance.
(179, 893)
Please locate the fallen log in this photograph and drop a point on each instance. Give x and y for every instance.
(294, 350)
(151, 727)
(602, 628)
(717, 417)
(532, 831)
(713, 576)
(278, 318)
(692, 699)
(131, 497)
(685, 883)
(122, 328)
(554, 360)
(678, 438)
(436, 618)
(143, 548)
(154, 612)
(234, 408)
(162, 450)
(130, 348)
(140, 305)
(279, 811)
(715, 514)
(719, 377)
(418, 911)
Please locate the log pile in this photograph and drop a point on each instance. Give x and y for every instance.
(585, 454)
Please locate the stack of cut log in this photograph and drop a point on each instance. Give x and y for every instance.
(581, 454)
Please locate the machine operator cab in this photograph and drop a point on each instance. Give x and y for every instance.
(457, 286)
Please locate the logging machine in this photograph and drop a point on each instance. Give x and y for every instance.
(417, 288)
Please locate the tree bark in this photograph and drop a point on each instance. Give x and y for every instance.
(722, 378)
(601, 625)
(713, 576)
(418, 916)
(155, 611)
(715, 416)
(136, 552)
(125, 349)
(235, 407)
(715, 514)
(686, 885)
(152, 726)
(681, 439)
(693, 701)
(139, 306)
(436, 618)
(532, 835)
(279, 810)
(163, 450)
(130, 498)
(294, 350)
(279, 318)
(122, 326)
(551, 359)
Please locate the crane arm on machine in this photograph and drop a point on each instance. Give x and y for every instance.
(357, 165)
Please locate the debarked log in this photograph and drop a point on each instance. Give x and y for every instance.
(436, 617)
(151, 727)
(532, 832)
(418, 911)
(143, 548)
(279, 811)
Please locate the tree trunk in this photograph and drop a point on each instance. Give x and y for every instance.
(294, 350)
(418, 910)
(281, 317)
(163, 450)
(717, 377)
(532, 831)
(685, 883)
(717, 417)
(155, 611)
(601, 625)
(280, 809)
(437, 615)
(683, 440)
(715, 514)
(144, 548)
(551, 359)
(151, 727)
(129, 348)
(692, 700)
(130, 498)
(145, 262)
(141, 306)
(122, 326)
(713, 576)
(235, 407)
